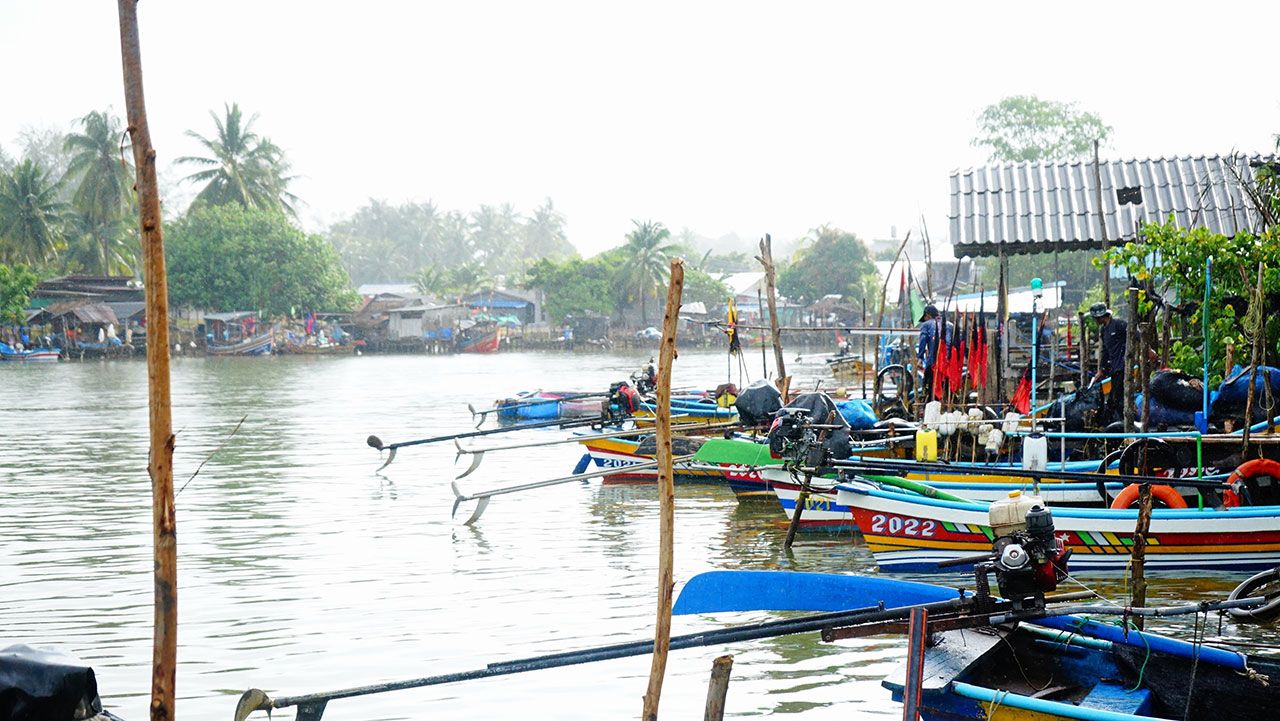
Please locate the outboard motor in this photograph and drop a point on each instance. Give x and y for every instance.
(622, 402)
(1030, 560)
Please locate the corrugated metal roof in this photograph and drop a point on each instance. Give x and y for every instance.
(84, 312)
(1043, 207)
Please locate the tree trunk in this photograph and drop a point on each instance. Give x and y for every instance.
(160, 465)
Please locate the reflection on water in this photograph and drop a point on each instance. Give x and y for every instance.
(302, 569)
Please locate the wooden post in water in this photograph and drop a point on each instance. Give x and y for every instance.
(1138, 557)
(718, 689)
(666, 494)
(160, 465)
(766, 260)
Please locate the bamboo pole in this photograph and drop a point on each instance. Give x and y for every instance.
(666, 494)
(1255, 311)
(160, 464)
(766, 260)
(1102, 225)
(718, 689)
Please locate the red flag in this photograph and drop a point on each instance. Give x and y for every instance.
(939, 359)
(1021, 400)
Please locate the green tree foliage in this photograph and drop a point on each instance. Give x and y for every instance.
(16, 285)
(99, 169)
(241, 167)
(1024, 127)
(830, 261)
(228, 257)
(31, 215)
(544, 236)
(1174, 258)
(383, 243)
(702, 287)
(575, 286)
(648, 259)
(731, 262)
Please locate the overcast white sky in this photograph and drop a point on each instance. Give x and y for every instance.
(722, 117)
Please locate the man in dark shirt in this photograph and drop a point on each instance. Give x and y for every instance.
(1114, 336)
(927, 347)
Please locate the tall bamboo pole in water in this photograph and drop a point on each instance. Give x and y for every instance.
(766, 260)
(666, 494)
(160, 463)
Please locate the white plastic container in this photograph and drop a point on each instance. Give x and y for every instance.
(932, 413)
(1035, 452)
(1011, 423)
(1010, 514)
(995, 439)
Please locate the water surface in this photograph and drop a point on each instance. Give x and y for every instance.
(303, 570)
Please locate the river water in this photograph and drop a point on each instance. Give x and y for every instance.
(301, 569)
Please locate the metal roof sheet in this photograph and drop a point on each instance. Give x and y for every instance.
(1043, 207)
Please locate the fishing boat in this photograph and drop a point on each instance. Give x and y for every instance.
(479, 337)
(624, 453)
(32, 355)
(848, 370)
(236, 333)
(689, 411)
(253, 345)
(909, 532)
(1048, 667)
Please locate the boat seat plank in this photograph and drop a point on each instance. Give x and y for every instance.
(1108, 696)
(951, 654)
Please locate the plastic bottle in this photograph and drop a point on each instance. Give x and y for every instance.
(926, 445)
(1035, 452)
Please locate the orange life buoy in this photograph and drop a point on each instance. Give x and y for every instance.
(1248, 469)
(1128, 497)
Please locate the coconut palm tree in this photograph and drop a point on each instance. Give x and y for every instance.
(100, 169)
(544, 235)
(649, 252)
(242, 166)
(31, 215)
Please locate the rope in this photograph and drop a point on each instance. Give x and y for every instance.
(1196, 640)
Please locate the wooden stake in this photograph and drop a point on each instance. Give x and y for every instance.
(718, 689)
(766, 259)
(666, 494)
(1139, 556)
(160, 465)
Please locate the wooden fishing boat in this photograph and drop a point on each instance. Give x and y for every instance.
(33, 355)
(622, 453)
(689, 411)
(911, 533)
(482, 337)
(1046, 668)
(823, 509)
(848, 370)
(253, 345)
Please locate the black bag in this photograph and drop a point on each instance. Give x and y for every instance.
(1177, 391)
(37, 685)
(758, 402)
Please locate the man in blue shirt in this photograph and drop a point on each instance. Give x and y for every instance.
(927, 348)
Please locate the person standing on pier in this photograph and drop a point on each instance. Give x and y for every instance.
(1114, 338)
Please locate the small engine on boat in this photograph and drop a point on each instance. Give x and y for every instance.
(1029, 559)
(622, 401)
